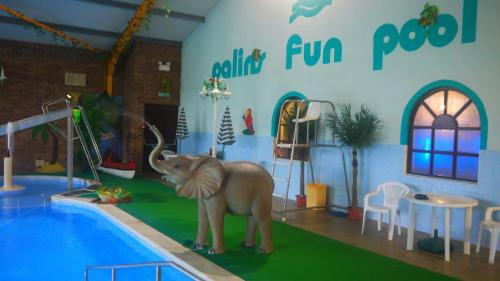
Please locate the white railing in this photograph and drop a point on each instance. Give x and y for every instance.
(157, 265)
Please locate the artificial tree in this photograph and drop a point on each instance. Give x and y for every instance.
(45, 131)
(104, 115)
(355, 131)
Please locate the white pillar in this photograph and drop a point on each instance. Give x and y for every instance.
(447, 221)
(69, 153)
(214, 118)
(411, 226)
(433, 221)
(7, 172)
(467, 229)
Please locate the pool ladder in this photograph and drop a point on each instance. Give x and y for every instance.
(93, 163)
(157, 265)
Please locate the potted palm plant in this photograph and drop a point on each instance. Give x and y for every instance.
(355, 131)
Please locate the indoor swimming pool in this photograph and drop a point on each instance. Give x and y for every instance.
(41, 240)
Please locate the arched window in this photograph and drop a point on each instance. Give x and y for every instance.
(445, 136)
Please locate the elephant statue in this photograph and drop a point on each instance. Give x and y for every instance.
(240, 188)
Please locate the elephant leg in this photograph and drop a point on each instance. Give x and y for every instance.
(250, 237)
(216, 208)
(262, 215)
(201, 238)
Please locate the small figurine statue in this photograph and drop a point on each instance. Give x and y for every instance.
(247, 117)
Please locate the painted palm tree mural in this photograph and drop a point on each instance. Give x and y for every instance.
(46, 132)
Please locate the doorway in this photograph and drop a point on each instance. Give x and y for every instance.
(164, 117)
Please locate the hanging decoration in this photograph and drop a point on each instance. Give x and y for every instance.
(247, 117)
(41, 28)
(226, 133)
(182, 129)
(124, 39)
(166, 8)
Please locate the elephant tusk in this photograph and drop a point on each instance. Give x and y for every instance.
(169, 178)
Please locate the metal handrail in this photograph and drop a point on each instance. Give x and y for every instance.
(93, 164)
(158, 266)
(87, 151)
(92, 137)
(45, 109)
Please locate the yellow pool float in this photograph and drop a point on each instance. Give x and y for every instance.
(51, 168)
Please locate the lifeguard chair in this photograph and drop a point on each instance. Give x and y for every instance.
(311, 118)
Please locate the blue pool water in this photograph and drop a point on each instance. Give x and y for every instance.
(54, 242)
(37, 191)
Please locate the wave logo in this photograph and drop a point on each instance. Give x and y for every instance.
(308, 8)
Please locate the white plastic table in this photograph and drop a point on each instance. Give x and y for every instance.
(442, 201)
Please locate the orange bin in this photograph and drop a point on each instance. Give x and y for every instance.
(316, 195)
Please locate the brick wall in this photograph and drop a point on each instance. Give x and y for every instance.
(141, 85)
(36, 74)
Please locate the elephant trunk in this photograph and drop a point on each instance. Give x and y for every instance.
(153, 156)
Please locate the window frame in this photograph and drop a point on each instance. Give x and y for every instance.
(455, 153)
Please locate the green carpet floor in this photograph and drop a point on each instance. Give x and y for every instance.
(299, 254)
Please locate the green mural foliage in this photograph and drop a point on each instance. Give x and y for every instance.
(428, 16)
(256, 54)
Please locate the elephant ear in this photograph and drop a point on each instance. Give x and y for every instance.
(206, 179)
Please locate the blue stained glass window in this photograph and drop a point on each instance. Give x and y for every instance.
(421, 163)
(446, 136)
(467, 167)
(444, 140)
(422, 139)
(443, 165)
(469, 141)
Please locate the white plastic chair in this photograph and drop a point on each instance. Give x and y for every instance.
(493, 227)
(393, 192)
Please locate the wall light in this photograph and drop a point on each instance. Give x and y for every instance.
(2, 76)
(164, 66)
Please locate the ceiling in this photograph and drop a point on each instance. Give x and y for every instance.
(99, 22)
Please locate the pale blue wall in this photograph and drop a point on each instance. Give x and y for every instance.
(264, 24)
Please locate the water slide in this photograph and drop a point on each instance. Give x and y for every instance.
(48, 116)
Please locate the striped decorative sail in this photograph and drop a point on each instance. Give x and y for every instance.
(226, 134)
(182, 129)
